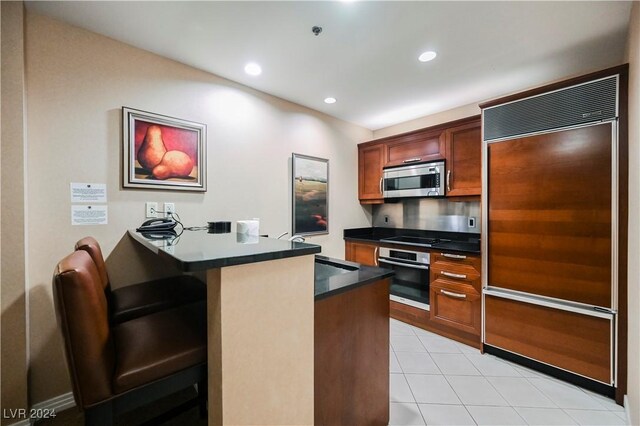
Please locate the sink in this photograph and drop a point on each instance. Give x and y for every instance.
(325, 268)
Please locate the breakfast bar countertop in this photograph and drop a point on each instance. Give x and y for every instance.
(199, 250)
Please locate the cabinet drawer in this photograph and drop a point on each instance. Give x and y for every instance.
(444, 260)
(455, 306)
(467, 277)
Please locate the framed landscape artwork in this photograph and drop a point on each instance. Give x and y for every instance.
(310, 176)
(163, 152)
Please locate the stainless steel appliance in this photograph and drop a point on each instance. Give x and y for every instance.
(410, 285)
(549, 232)
(418, 180)
(414, 241)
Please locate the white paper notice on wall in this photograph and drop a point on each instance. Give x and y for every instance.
(89, 215)
(88, 192)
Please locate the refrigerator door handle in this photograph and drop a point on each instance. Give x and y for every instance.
(549, 302)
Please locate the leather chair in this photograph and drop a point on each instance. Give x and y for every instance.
(144, 298)
(115, 368)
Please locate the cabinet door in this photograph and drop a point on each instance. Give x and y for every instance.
(463, 159)
(455, 305)
(370, 163)
(364, 253)
(415, 148)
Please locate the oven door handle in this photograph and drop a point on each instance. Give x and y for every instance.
(408, 265)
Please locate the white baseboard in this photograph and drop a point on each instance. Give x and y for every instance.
(55, 404)
(627, 410)
(58, 403)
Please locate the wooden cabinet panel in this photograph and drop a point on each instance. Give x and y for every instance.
(351, 377)
(371, 159)
(415, 148)
(441, 259)
(456, 286)
(463, 159)
(364, 253)
(550, 215)
(567, 340)
(455, 305)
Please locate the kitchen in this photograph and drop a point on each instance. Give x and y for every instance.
(76, 83)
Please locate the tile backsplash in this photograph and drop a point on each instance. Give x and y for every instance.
(436, 214)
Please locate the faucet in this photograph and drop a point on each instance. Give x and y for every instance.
(297, 239)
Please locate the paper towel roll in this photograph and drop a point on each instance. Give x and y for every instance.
(247, 239)
(249, 227)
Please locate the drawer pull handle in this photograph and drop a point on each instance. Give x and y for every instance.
(412, 160)
(456, 295)
(453, 256)
(452, 275)
(449, 180)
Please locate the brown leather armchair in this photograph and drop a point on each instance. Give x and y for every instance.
(144, 298)
(115, 368)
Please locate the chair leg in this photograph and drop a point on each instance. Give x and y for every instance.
(99, 415)
(202, 398)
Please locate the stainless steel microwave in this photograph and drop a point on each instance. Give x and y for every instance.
(417, 180)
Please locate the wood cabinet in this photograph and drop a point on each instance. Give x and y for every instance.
(458, 142)
(455, 290)
(371, 159)
(416, 147)
(351, 374)
(463, 159)
(360, 252)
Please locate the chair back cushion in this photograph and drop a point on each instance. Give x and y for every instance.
(82, 312)
(91, 246)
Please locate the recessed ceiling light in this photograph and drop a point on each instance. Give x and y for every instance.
(329, 100)
(252, 69)
(427, 56)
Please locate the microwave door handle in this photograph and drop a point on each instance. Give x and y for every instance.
(402, 264)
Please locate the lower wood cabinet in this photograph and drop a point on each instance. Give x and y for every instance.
(360, 252)
(457, 306)
(351, 375)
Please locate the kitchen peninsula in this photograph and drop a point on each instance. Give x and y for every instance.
(269, 303)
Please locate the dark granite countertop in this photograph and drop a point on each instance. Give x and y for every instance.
(199, 250)
(463, 242)
(335, 276)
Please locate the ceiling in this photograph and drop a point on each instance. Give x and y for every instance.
(366, 55)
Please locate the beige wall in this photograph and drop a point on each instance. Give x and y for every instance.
(429, 120)
(13, 362)
(633, 57)
(77, 82)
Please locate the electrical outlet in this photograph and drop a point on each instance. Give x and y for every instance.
(169, 208)
(386, 219)
(472, 222)
(151, 209)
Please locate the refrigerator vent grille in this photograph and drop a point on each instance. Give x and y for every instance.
(585, 103)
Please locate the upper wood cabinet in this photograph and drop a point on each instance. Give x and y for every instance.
(463, 159)
(371, 159)
(415, 147)
(458, 142)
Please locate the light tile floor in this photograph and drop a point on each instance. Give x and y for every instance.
(437, 381)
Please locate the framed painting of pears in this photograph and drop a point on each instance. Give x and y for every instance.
(163, 152)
